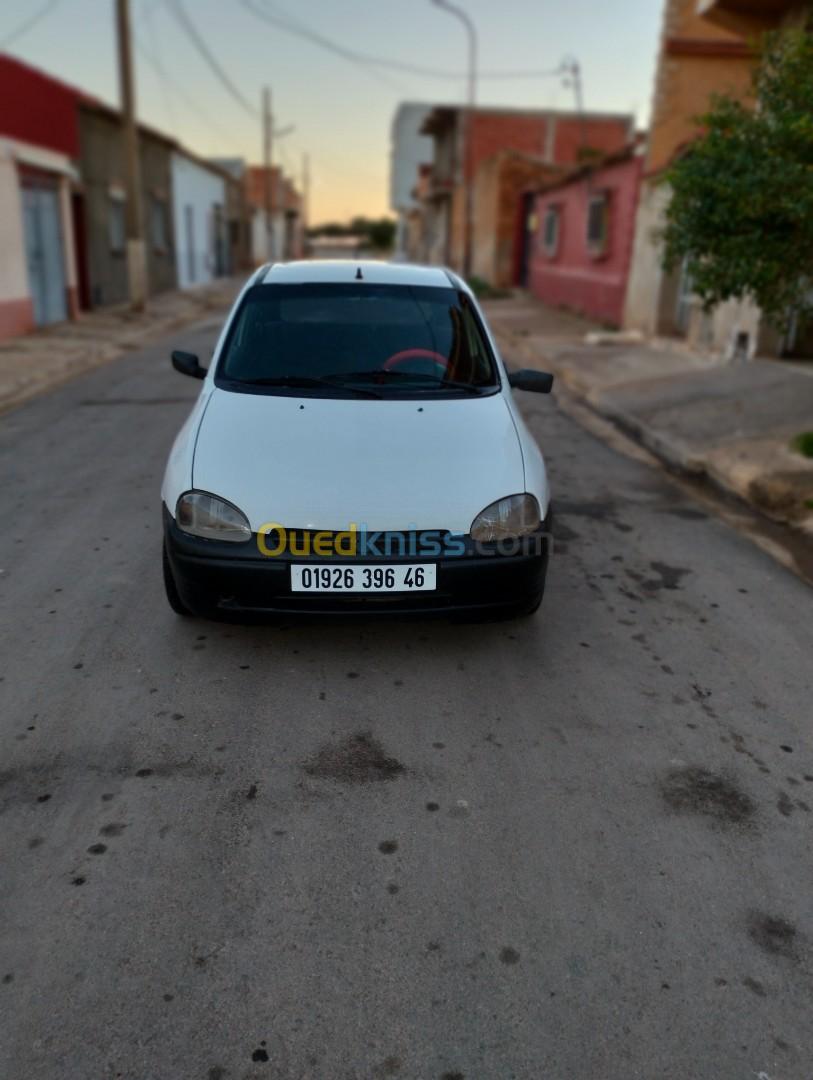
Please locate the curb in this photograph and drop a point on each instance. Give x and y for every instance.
(674, 456)
(99, 354)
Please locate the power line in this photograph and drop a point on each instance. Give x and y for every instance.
(177, 9)
(296, 26)
(158, 67)
(29, 23)
(299, 29)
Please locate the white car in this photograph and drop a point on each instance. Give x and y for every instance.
(355, 448)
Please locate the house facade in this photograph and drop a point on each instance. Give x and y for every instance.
(281, 236)
(504, 215)
(582, 244)
(409, 151)
(707, 47)
(100, 208)
(198, 207)
(238, 214)
(39, 150)
(552, 137)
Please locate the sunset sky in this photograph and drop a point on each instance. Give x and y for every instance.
(341, 107)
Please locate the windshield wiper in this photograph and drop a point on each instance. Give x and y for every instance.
(381, 375)
(304, 382)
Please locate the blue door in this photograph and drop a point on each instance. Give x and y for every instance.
(44, 252)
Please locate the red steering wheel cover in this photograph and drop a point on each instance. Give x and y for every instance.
(429, 354)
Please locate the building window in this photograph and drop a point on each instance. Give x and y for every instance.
(117, 224)
(598, 221)
(158, 223)
(550, 231)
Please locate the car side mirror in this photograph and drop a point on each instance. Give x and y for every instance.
(538, 382)
(188, 364)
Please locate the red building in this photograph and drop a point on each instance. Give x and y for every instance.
(549, 137)
(39, 148)
(582, 244)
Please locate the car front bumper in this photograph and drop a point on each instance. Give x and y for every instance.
(222, 578)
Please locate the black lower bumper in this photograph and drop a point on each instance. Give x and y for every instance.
(216, 578)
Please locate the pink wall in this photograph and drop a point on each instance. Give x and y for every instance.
(574, 277)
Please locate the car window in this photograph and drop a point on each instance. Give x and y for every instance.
(395, 339)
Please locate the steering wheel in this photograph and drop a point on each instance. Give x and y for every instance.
(399, 358)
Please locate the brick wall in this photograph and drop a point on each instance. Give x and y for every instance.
(551, 137)
(498, 191)
(697, 59)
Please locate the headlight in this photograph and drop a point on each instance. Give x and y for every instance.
(210, 517)
(505, 519)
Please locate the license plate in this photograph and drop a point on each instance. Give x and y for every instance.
(342, 578)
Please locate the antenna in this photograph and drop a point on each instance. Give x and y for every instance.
(359, 275)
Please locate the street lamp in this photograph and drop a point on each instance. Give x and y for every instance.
(468, 178)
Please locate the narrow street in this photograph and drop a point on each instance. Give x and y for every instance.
(575, 847)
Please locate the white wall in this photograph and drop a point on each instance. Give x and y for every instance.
(13, 271)
(409, 150)
(646, 276)
(195, 193)
(259, 237)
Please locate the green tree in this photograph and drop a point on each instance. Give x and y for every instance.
(741, 214)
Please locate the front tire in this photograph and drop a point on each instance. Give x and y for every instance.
(173, 596)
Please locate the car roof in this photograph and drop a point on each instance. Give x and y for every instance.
(336, 271)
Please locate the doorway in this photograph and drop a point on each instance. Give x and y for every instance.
(44, 250)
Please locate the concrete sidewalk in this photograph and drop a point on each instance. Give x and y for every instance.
(731, 423)
(37, 362)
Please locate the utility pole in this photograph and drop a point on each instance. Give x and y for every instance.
(306, 189)
(268, 135)
(134, 209)
(571, 69)
(306, 199)
(468, 134)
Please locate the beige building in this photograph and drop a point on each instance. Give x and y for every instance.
(697, 59)
(706, 48)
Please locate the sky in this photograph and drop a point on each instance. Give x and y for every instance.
(341, 109)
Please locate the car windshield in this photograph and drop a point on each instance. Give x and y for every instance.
(356, 340)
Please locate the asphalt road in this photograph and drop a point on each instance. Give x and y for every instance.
(571, 848)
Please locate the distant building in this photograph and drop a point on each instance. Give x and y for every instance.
(39, 153)
(551, 137)
(198, 201)
(504, 216)
(409, 151)
(238, 214)
(582, 242)
(63, 236)
(277, 237)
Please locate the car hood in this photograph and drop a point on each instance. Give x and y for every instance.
(322, 463)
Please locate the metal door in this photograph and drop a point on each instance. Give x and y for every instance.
(44, 252)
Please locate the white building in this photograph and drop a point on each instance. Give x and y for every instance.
(198, 203)
(409, 151)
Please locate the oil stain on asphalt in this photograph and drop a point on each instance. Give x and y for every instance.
(358, 759)
(773, 935)
(692, 789)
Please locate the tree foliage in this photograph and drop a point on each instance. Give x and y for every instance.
(741, 215)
